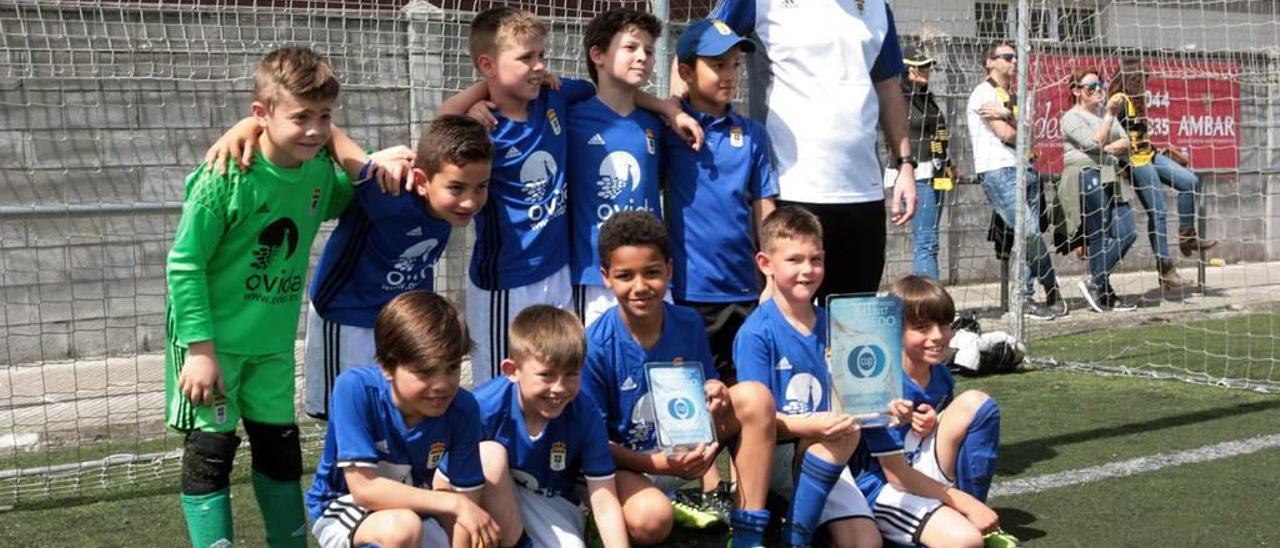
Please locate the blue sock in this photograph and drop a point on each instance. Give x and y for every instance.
(817, 476)
(976, 460)
(748, 527)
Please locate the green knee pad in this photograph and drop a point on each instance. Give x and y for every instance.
(283, 513)
(209, 519)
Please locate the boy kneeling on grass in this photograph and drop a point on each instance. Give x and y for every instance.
(635, 262)
(391, 426)
(930, 475)
(542, 435)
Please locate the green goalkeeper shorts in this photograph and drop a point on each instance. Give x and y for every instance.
(260, 388)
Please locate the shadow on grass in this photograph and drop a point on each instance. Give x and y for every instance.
(1016, 457)
(1017, 523)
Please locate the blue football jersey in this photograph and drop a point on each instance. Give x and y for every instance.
(709, 197)
(366, 429)
(522, 230)
(613, 166)
(793, 365)
(383, 246)
(865, 462)
(572, 445)
(615, 377)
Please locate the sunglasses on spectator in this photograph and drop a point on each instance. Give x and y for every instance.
(1010, 57)
(1091, 87)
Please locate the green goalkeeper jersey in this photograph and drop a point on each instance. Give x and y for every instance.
(238, 266)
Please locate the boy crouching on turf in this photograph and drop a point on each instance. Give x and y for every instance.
(783, 345)
(953, 440)
(388, 243)
(545, 436)
(390, 427)
(235, 276)
(913, 500)
(635, 263)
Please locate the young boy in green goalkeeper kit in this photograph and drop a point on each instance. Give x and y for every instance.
(236, 274)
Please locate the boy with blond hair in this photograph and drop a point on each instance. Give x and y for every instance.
(642, 328)
(387, 244)
(235, 276)
(545, 437)
(520, 257)
(608, 145)
(783, 345)
(391, 427)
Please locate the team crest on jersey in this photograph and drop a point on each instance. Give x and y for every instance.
(435, 454)
(735, 136)
(315, 199)
(554, 120)
(220, 410)
(558, 457)
(649, 141)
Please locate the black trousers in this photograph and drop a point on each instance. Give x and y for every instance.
(853, 236)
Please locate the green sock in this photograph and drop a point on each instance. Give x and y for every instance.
(209, 518)
(282, 510)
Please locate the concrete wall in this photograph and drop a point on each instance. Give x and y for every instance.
(114, 106)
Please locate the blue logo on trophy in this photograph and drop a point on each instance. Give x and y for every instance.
(681, 408)
(866, 361)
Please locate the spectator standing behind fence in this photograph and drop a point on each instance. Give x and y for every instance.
(1090, 191)
(1147, 170)
(992, 115)
(834, 69)
(930, 141)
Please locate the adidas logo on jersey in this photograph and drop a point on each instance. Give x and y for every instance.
(629, 384)
(417, 231)
(263, 209)
(381, 446)
(784, 364)
(513, 152)
(596, 140)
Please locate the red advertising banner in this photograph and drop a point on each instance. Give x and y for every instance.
(1194, 106)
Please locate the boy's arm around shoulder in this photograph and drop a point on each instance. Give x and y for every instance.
(674, 115)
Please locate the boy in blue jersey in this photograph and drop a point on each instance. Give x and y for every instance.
(389, 428)
(717, 194)
(387, 244)
(910, 480)
(783, 345)
(613, 145)
(951, 439)
(545, 436)
(521, 257)
(636, 266)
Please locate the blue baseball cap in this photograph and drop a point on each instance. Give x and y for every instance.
(709, 38)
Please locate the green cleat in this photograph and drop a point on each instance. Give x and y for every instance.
(691, 515)
(999, 539)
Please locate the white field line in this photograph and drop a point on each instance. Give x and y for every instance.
(1130, 467)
